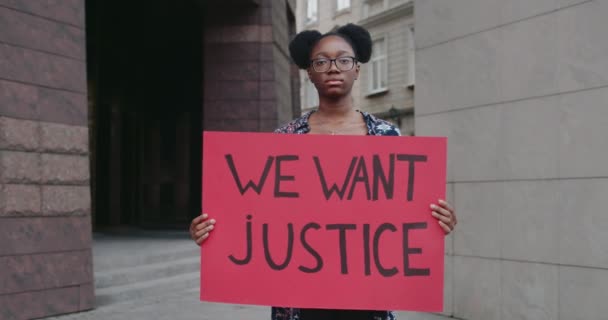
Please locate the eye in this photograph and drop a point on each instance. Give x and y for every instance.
(344, 61)
(320, 62)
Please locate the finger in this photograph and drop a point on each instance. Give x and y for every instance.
(441, 211)
(446, 205)
(205, 224)
(202, 232)
(445, 227)
(440, 217)
(206, 230)
(200, 218)
(202, 238)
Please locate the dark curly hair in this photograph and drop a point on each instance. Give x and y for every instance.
(358, 38)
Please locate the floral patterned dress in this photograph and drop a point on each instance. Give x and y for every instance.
(375, 127)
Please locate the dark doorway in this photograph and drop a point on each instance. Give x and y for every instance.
(144, 62)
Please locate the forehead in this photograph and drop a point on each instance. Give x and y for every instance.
(332, 45)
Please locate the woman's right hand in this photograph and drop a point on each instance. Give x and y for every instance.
(200, 228)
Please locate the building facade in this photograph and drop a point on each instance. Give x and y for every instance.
(520, 90)
(102, 107)
(387, 83)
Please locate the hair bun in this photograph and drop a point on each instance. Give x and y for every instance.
(301, 45)
(361, 40)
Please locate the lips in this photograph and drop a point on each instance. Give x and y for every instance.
(333, 82)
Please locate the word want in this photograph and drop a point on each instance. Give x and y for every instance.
(370, 247)
(357, 174)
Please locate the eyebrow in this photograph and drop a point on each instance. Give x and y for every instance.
(341, 52)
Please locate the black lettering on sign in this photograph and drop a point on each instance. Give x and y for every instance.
(366, 250)
(360, 176)
(334, 188)
(387, 180)
(267, 254)
(310, 250)
(412, 159)
(256, 187)
(407, 271)
(383, 271)
(248, 245)
(278, 178)
(342, 227)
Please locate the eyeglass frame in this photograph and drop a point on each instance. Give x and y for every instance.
(354, 59)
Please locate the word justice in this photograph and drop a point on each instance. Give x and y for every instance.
(371, 247)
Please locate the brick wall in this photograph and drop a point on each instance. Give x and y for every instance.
(45, 227)
(246, 68)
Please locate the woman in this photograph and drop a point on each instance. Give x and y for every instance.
(332, 62)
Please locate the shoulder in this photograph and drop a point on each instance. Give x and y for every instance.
(379, 127)
(298, 125)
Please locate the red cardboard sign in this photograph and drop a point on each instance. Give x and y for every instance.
(317, 221)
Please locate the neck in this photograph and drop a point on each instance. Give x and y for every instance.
(336, 108)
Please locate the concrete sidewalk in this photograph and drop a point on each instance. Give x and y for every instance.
(137, 278)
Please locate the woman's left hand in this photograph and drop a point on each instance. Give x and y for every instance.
(445, 215)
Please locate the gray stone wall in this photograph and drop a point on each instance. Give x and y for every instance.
(45, 203)
(519, 88)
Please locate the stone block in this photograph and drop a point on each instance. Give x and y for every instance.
(582, 222)
(528, 139)
(231, 90)
(479, 210)
(449, 240)
(581, 46)
(243, 71)
(62, 138)
(67, 11)
(477, 288)
(42, 34)
(529, 291)
(582, 293)
(66, 200)
(446, 20)
(529, 58)
(444, 80)
(23, 101)
(582, 134)
(87, 296)
(21, 135)
(45, 271)
(448, 286)
(39, 68)
(37, 304)
(529, 220)
(473, 135)
(231, 109)
(20, 200)
(19, 167)
(19, 236)
(64, 169)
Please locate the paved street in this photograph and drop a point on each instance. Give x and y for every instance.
(154, 275)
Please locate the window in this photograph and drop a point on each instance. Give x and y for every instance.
(312, 11)
(342, 5)
(411, 58)
(378, 67)
(311, 97)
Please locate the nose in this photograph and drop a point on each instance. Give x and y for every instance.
(333, 66)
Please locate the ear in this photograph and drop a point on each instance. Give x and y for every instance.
(357, 71)
(309, 74)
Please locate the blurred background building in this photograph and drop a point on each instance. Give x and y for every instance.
(386, 85)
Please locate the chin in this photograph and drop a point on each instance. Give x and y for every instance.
(335, 93)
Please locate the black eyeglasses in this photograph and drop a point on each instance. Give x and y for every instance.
(324, 64)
